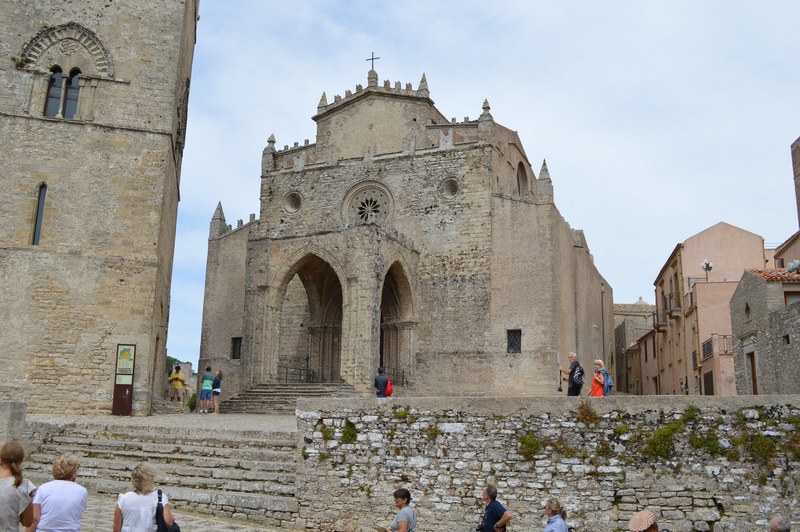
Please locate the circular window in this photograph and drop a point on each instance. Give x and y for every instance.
(449, 188)
(292, 202)
(368, 202)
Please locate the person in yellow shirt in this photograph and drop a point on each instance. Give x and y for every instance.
(176, 381)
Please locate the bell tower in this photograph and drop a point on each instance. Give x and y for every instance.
(93, 104)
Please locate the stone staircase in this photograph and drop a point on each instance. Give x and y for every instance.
(277, 398)
(246, 475)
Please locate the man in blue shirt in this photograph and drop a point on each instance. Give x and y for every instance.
(381, 381)
(495, 517)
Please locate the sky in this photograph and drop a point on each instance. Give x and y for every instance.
(657, 118)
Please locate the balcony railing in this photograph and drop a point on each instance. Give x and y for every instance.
(659, 318)
(295, 375)
(718, 344)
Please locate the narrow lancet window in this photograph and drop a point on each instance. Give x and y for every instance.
(37, 228)
(54, 91)
(71, 99)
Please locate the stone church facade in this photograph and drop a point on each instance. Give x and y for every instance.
(93, 101)
(404, 239)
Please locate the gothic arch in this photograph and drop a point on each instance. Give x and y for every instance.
(397, 324)
(65, 33)
(309, 317)
(522, 181)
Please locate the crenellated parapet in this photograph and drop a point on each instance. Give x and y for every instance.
(387, 89)
(219, 227)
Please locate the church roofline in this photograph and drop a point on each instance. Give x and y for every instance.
(422, 94)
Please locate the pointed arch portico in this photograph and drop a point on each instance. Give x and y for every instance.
(303, 320)
(397, 324)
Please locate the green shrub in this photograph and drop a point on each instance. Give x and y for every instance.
(604, 448)
(707, 441)
(433, 432)
(761, 448)
(192, 402)
(690, 414)
(349, 433)
(327, 433)
(529, 446)
(621, 429)
(402, 413)
(792, 446)
(659, 445)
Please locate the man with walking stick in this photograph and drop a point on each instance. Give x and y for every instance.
(575, 375)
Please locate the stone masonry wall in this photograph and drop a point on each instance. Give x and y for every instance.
(721, 463)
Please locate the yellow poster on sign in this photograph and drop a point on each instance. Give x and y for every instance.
(125, 358)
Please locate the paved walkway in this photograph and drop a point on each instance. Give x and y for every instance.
(99, 515)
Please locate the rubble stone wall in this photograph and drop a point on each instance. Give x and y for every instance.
(711, 463)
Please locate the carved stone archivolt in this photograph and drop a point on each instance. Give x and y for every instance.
(69, 37)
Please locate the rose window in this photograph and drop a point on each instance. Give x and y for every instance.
(369, 209)
(368, 202)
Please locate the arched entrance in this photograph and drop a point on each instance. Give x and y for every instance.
(309, 340)
(397, 326)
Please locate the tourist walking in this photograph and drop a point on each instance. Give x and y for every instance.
(136, 510)
(206, 382)
(216, 390)
(556, 517)
(406, 519)
(16, 493)
(495, 516)
(575, 375)
(176, 381)
(60, 503)
(597, 379)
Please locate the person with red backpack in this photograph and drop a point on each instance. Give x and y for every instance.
(381, 383)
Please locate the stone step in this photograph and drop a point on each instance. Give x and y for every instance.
(120, 465)
(160, 451)
(202, 499)
(281, 398)
(200, 437)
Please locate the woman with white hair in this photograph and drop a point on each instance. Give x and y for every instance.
(556, 517)
(136, 510)
(60, 503)
(598, 379)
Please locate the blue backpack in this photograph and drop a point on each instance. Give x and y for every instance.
(608, 383)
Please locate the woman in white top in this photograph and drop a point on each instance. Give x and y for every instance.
(136, 510)
(15, 492)
(60, 503)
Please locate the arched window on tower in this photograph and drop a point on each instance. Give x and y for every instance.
(37, 226)
(54, 91)
(522, 181)
(71, 99)
(62, 94)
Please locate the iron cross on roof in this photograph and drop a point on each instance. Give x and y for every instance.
(373, 58)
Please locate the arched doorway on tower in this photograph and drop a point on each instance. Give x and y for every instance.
(398, 328)
(311, 324)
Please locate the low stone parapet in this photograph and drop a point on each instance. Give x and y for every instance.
(699, 463)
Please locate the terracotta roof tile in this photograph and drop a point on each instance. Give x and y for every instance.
(633, 308)
(779, 275)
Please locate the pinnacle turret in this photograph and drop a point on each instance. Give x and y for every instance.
(543, 173)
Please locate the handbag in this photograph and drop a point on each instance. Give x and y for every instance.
(161, 525)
